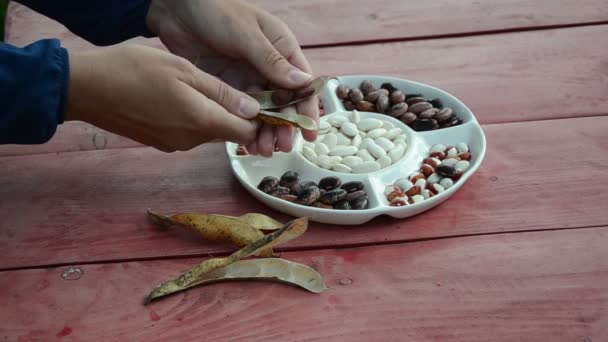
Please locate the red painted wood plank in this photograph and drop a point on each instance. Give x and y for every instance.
(90, 206)
(542, 286)
(319, 22)
(503, 78)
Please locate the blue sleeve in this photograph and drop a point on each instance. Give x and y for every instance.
(34, 82)
(100, 22)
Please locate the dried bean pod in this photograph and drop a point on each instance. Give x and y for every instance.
(330, 183)
(268, 183)
(281, 97)
(356, 95)
(366, 87)
(342, 91)
(352, 186)
(333, 196)
(365, 106)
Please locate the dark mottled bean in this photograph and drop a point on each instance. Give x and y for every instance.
(343, 205)
(330, 183)
(268, 183)
(333, 196)
(309, 196)
(289, 179)
(355, 195)
(342, 91)
(360, 203)
(352, 186)
(301, 186)
(425, 125)
(349, 105)
(366, 87)
(389, 87)
(282, 97)
(445, 170)
(279, 191)
(437, 103)
(452, 122)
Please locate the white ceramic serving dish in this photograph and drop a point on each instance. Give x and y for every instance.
(250, 170)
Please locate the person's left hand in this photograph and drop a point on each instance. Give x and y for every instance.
(245, 46)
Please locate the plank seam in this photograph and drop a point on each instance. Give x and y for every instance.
(297, 249)
(455, 35)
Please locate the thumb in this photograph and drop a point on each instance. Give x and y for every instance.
(273, 65)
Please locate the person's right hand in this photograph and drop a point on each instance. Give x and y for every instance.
(156, 98)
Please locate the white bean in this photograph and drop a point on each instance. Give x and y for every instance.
(433, 178)
(396, 153)
(426, 193)
(337, 121)
(375, 150)
(462, 165)
(387, 125)
(417, 198)
(449, 161)
(352, 161)
(366, 167)
(321, 149)
(384, 162)
(365, 155)
(369, 124)
(399, 138)
(404, 184)
(452, 153)
(438, 148)
(343, 139)
(343, 151)
(365, 142)
(357, 140)
(342, 168)
(349, 129)
(309, 154)
(355, 117)
(462, 147)
(446, 183)
(439, 188)
(376, 133)
(421, 183)
(386, 144)
(323, 161)
(393, 133)
(324, 125)
(331, 140)
(334, 160)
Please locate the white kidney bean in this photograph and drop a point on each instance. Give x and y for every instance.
(375, 150)
(397, 152)
(352, 161)
(321, 149)
(336, 120)
(357, 140)
(331, 140)
(386, 144)
(376, 133)
(384, 161)
(369, 124)
(343, 139)
(349, 129)
(309, 154)
(342, 168)
(365, 155)
(462, 165)
(343, 151)
(355, 117)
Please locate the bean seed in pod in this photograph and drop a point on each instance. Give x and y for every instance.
(289, 179)
(428, 114)
(352, 186)
(446, 170)
(356, 95)
(389, 87)
(289, 198)
(397, 97)
(330, 183)
(268, 183)
(342, 91)
(343, 205)
(333, 196)
(279, 191)
(281, 97)
(360, 203)
(309, 196)
(437, 103)
(373, 96)
(365, 106)
(408, 118)
(425, 125)
(366, 86)
(322, 205)
(351, 196)
(413, 100)
(301, 186)
(444, 115)
(382, 103)
(398, 110)
(349, 105)
(420, 107)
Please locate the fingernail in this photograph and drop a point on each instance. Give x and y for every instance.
(297, 76)
(249, 107)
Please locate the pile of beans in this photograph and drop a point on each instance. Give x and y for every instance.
(416, 111)
(329, 193)
(439, 171)
(355, 145)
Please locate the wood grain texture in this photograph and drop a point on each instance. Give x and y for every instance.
(319, 22)
(90, 206)
(502, 78)
(542, 286)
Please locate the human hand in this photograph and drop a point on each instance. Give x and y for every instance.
(156, 98)
(245, 46)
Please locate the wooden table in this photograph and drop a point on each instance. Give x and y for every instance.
(519, 254)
